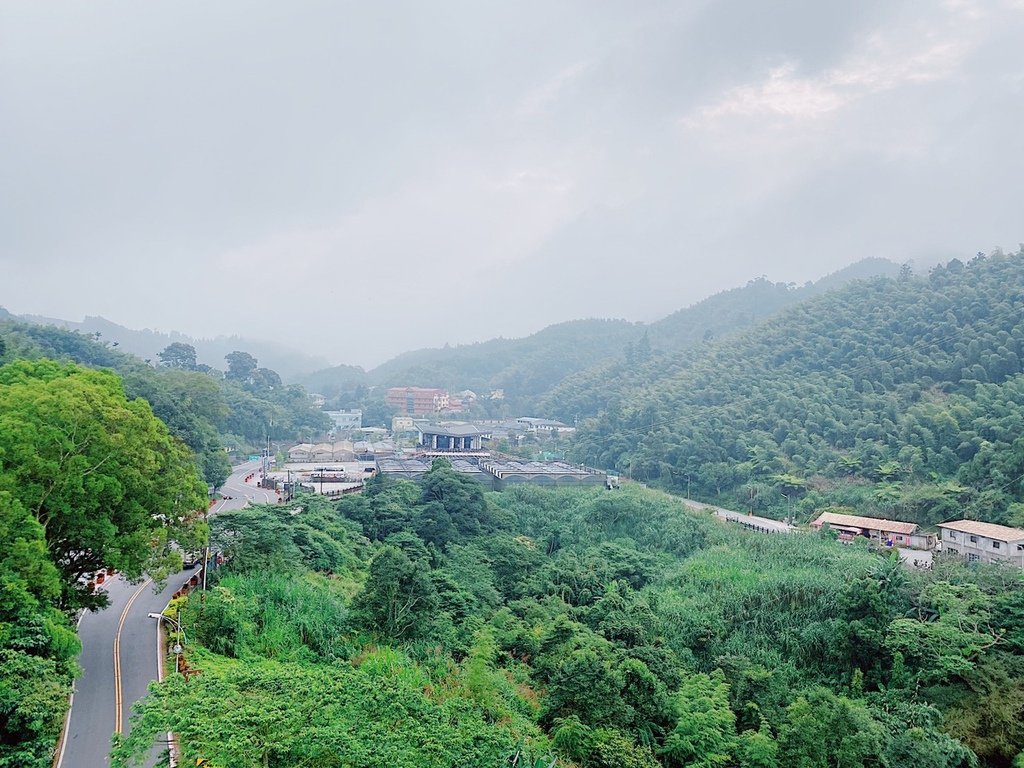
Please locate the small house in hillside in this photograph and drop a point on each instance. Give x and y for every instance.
(983, 542)
(893, 533)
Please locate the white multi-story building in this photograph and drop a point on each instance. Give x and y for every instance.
(346, 421)
(983, 542)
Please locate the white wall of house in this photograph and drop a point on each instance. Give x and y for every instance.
(978, 548)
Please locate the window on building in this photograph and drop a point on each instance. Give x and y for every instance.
(1020, 547)
(952, 551)
(951, 536)
(974, 539)
(972, 557)
(996, 545)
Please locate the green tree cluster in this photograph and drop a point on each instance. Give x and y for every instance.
(89, 480)
(896, 397)
(613, 629)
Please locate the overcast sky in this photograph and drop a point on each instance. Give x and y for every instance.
(361, 179)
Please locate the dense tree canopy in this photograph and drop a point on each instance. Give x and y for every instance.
(898, 397)
(99, 473)
(591, 629)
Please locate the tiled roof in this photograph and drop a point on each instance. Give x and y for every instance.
(871, 523)
(988, 530)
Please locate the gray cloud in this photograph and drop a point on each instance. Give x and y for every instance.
(429, 173)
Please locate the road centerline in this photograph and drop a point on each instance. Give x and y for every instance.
(118, 724)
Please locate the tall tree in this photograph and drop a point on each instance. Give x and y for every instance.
(240, 365)
(179, 355)
(100, 474)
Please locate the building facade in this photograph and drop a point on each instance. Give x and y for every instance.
(983, 542)
(417, 401)
(346, 421)
(892, 533)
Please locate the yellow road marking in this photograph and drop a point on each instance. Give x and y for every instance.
(117, 656)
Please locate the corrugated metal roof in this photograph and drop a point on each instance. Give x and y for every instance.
(988, 530)
(871, 523)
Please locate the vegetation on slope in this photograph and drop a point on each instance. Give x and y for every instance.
(527, 368)
(435, 625)
(207, 409)
(900, 398)
(88, 480)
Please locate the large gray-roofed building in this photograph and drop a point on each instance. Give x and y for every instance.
(449, 437)
(414, 469)
(544, 473)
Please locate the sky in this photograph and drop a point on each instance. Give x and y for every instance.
(359, 179)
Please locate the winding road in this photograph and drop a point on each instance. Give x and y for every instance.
(120, 649)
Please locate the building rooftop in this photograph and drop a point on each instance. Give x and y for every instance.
(988, 530)
(871, 523)
(449, 430)
(499, 468)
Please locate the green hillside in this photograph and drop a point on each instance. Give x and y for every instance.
(528, 368)
(897, 397)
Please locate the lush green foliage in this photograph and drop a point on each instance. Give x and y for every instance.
(88, 480)
(99, 473)
(207, 410)
(616, 629)
(899, 398)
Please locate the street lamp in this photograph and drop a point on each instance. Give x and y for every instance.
(177, 647)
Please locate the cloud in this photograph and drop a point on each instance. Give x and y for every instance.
(884, 61)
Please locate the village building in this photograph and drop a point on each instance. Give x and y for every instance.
(454, 437)
(983, 542)
(417, 401)
(346, 421)
(892, 533)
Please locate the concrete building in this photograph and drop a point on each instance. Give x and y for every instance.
(417, 400)
(893, 533)
(346, 421)
(400, 424)
(983, 542)
(454, 437)
(532, 424)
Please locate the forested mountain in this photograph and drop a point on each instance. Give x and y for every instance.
(740, 308)
(527, 368)
(902, 398)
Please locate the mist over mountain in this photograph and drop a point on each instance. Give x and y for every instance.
(527, 368)
(524, 369)
(147, 344)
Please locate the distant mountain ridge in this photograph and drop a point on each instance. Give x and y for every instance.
(527, 368)
(147, 344)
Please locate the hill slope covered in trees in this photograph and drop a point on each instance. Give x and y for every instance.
(902, 398)
(527, 368)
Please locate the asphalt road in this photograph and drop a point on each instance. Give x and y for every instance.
(94, 710)
(123, 636)
(763, 524)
